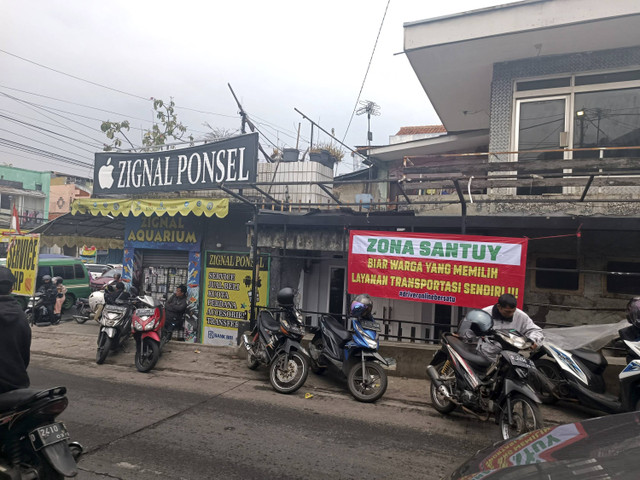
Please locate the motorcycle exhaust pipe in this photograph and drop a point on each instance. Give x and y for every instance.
(246, 342)
(435, 379)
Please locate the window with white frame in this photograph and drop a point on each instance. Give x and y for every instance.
(587, 111)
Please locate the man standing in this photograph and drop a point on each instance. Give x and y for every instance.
(506, 315)
(175, 308)
(15, 337)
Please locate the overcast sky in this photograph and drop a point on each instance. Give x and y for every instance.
(276, 55)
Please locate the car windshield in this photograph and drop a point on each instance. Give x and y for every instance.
(94, 268)
(110, 273)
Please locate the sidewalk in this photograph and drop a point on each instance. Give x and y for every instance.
(75, 341)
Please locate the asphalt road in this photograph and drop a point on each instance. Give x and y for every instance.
(201, 414)
(186, 427)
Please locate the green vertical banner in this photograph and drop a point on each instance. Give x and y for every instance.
(227, 287)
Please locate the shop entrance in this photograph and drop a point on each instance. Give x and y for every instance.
(163, 271)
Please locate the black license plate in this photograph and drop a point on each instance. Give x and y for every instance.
(370, 325)
(48, 435)
(520, 361)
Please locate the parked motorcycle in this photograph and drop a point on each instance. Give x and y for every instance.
(83, 310)
(148, 331)
(577, 375)
(276, 342)
(115, 328)
(355, 354)
(32, 444)
(462, 377)
(39, 311)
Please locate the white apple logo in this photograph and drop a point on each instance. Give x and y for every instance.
(105, 177)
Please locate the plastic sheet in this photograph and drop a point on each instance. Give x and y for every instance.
(591, 337)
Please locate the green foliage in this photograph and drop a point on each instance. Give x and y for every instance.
(167, 128)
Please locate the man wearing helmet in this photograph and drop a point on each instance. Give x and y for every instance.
(506, 315)
(48, 292)
(15, 340)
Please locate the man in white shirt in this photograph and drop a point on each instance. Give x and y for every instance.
(506, 315)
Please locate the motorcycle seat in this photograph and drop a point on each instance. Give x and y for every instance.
(15, 399)
(468, 352)
(336, 328)
(268, 321)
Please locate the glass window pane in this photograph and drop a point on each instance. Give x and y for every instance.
(608, 77)
(541, 84)
(610, 118)
(620, 283)
(539, 128)
(79, 271)
(557, 280)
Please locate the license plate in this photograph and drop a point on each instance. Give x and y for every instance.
(369, 325)
(520, 361)
(48, 435)
(144, 312)
(115, 308)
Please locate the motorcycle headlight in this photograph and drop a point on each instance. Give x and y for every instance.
(371, 342)
(137, 325)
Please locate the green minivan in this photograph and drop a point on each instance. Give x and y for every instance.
(74, 276)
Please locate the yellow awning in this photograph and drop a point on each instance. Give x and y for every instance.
(152, 206)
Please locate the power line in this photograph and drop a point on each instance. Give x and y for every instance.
(36, 128)
(43, 143)
(35, 159)
(367, 72)
(29, 149)
(35, 105)
(75, 77)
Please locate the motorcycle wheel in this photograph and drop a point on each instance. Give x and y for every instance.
(30, 318)
(147, 355)
(80, 318)
(288, 375)
(550, 370)
(525, 417)
(440, 402)
(103, 348)
(252, 361)
(371, 389)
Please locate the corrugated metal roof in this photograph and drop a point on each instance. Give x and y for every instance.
(417, 130)
(24, 193)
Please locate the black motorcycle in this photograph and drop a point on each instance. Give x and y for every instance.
(275, 341)
(39, 309)
(462, 377)
(83, 310)
(115, 328)
(32, 444)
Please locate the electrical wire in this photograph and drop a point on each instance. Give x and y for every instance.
(33, 127)
(29, 149)
(75, 77)
(35, 159)
(367, 72)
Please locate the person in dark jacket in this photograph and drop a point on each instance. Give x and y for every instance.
(114, 293)
(48, 293)
(175, 308)
(15, 337)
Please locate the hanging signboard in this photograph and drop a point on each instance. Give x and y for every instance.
(227, 292)
(88, 254)
(463, 270)
(204, 167)
(168, 233)
(22, 260)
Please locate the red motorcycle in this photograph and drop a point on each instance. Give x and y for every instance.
(147, 327)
